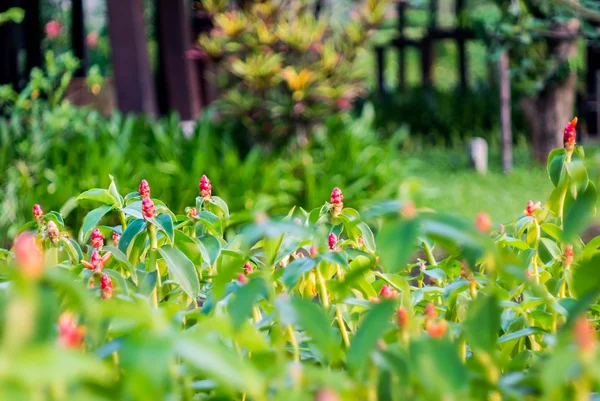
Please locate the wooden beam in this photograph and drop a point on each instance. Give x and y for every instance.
(206, 69)
(33, 35)
(380, 56)
(177, 74)
(401, 49)
(461, 47)
(505, 119)
(9, 49)
(78, 36)
(133, 80)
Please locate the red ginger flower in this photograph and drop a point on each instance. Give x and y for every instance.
(52, 231)
(148, 209)
(436, 330)
(144, 189)
(69, 334)
(568, 256)
(532, 207)
(116, 238)
(337, 200)
(570, 135)
(97, 239)
(96, 261)
(37, 211)
(29, 255)
(248, 268)
(193, 212)
(585, 335)
(332, 240)
(402, 316)
(483, 222)
(242, 278)
(91, 40)
(106, 286)
(205, 187)
(430, 312)
(388, 292)
(326, 394)
(53, 29)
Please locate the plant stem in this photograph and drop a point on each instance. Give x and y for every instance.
(388, 281)
(429, 254)
(563, 194)
(152, 265)
(294, 343)
(323, 295)
(123, 221)
(342, 325)
(256, 315)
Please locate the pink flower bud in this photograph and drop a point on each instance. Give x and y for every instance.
(313, 251)
(29, 255)
(436, 330)
(332, 240)
(242, 278)
(69, 334)
(430, 312)
(532, 207)
(97, 239)
(326, 394)
(585, 335)
(337, 200)
(483, 222)
(388, 292)
(402, 317)
(144, 189)
(37, 211)
(116, 237)
(298, 221)
(53, 29)
(193, 212)
(52, 231)
(91, 40)
(106, 286)
(248, 268)
(96, 262)
(570, 134)
(409, 210)
(205, 187)
(568, 256)
(148, 210)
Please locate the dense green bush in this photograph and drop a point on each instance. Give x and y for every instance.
(49, 153)
(316, 305)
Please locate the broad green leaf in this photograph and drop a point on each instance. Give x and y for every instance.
(578, 177)
(189, 247)
(165, 224)
(397, 242)
(579, 213)
(240, 307)
(133, 229)
(438, 368)
(518, 334)
(182, 270)
(295, 270)
(98, 195)
(371, 329)
(483, 323)
(556, 160)
(123, 261)
(212, 246)
(367, 236)
(312, 318)
(91, 220)
(220, 203)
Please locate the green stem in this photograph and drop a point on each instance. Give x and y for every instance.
(429, 254)
(152, 263)
(342, 325)
(563, 194)
(323, 295)
(388, 281)
(257, 316)
(294, 343)
(123, 221)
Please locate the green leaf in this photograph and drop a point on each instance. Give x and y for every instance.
(123, 261)
(556, 160)
(367, 236)
(397, 242)
(73, 249)
(371, 329)
(147, 281)
(244, 299)
(585, 276)
(56, 217)
(518, 334)
(182, 270)
(590, 248)
(312, 317)
(552, 230)
(189, 246)
(133, 229)
(212, 246)
(220, 203)
(295, 270)
(578, 177)
(483, 323)
(438, 368)
(580, 212)
(223, 365)
(335, 257)
(164, 224)
(91, 220)
(98, 195)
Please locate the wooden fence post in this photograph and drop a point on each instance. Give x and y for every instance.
(78, 36)
(133, 80)
(505, 120)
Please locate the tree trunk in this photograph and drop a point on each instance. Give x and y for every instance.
(547, 113)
